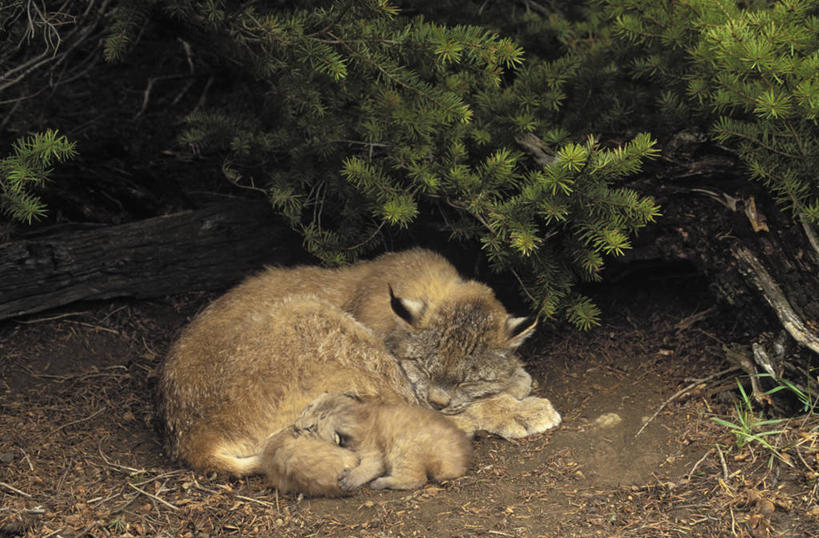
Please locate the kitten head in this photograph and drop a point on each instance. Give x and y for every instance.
(327, 417)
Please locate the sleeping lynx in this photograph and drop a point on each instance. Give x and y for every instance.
(399, 445)
(404, 327)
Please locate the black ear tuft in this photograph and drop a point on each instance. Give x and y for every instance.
(406, 309)
(343, 440)
(399, 308)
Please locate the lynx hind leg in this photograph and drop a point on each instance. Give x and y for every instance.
(508, 417)
(403, 475)
(305, 465)
(451, 465)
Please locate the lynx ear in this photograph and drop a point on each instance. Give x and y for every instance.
(342, 439)
(407, 309)
(519, 329)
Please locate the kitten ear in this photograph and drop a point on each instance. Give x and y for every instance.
(519, 329)
(342, 439)
(407, 309)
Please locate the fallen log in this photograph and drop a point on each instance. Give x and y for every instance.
(206, 249)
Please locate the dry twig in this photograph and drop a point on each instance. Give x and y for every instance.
(251, 499)
(89, 417)
(50, 318)
(15, 490)
(681, 392)
(722, 461)
(685, 323)
(812, 239)
(702, 459)
(154, 497)
(117, 466)
(78, 377)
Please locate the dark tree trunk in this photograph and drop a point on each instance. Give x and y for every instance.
(205, 249)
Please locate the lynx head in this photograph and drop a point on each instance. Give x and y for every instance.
(326, 417)
(460, 348)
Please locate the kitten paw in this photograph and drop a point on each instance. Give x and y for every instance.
(344, 481)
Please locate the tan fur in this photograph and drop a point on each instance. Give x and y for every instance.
(246, 367)
(404, 443)
(226, 392)
(287, 455)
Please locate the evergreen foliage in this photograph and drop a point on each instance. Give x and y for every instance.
(753, 71)
(509, 125)
(128, 19)
(364, 120)
(27, 170)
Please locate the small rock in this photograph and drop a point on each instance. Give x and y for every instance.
(7, 457)
(608, 420)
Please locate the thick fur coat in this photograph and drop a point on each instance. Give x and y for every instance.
(404, 327)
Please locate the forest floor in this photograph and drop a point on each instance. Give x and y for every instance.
(79, 455)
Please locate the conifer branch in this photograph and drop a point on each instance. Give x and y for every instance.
(389, 76)
(756, 141)
(29, 169)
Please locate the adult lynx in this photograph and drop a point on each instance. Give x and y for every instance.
(403, 327)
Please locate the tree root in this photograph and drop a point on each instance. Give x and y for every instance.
(751, 267)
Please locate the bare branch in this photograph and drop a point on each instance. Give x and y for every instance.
(537, 148)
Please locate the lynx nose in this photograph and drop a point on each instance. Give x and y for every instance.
(438, 397)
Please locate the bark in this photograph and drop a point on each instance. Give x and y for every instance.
(206, 249)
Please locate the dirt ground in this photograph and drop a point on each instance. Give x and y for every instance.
(79, 455)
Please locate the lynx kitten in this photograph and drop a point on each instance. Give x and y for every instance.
(399, 445)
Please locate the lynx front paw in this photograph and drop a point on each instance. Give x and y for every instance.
(508, 417)
(392, 482)
(348, 460)
(350, 479)
(371, 466)
(530, 416)
(344, 481)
